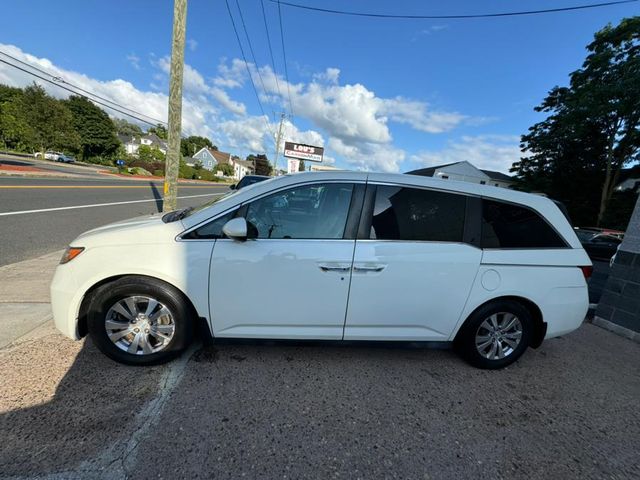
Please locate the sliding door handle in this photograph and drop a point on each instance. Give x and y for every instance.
(335, 267)
(368, 268)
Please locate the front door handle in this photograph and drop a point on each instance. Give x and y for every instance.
(335, 267)
(368, 268)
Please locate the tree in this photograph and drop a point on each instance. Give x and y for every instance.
(15, 131)
(94, 127)
(124, 127)
(226, 169)
(150, 154)
(262, 164)
(301, 167)
(160, 130)
(593, 127)
(51, 120)
(190, 145)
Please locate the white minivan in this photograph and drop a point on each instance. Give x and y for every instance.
(331, 256)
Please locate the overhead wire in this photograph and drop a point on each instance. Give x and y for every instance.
(273, 63)
(451, 17)
(246, 64)
(77, 93)
(284, 56)
(58, 80)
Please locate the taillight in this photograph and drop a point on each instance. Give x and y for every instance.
(587, 270)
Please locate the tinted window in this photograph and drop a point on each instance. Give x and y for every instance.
(212, 229)
(510, 226)
(415, 214)
(312, 211)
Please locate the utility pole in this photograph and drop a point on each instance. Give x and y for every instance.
(278, 138)
(175, 106)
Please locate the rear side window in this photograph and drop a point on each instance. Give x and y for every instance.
(511, 226)
(416, 214)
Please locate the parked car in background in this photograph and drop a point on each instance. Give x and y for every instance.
(331, 256)
(55, 156)
(248, 180)
(599, 246)
(65, 158)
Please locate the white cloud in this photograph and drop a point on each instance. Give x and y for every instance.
(134, 60)
(230, 76)
(192, 44)
(369, 156)
(197, 115)
(491, 152)
(350, 120)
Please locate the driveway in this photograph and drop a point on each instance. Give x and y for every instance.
(570, 409)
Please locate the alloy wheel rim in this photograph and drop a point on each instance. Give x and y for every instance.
(140, 325)
(498, 336)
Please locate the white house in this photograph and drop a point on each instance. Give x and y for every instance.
(132, 143)
(466, 172)
(211, 158)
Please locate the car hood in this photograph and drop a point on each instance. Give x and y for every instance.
(148, 229)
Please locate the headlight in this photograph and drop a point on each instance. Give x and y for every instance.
(70, 253)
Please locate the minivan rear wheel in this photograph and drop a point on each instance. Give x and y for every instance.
(139, 321)
(496, 334)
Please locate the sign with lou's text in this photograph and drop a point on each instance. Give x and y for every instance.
(303, 152)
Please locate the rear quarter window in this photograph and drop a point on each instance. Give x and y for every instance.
(505, 225)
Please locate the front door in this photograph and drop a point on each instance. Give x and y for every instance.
(413, 272)
(292, 279)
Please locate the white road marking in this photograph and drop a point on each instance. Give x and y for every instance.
(42, 210)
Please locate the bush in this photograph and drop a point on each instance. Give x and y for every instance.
(158, 173)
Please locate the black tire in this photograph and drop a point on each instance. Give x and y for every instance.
(104, 297)
(465, 342)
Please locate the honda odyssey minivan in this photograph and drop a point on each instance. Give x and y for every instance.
(331, 256)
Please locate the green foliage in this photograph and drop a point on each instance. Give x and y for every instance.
(94, 127)
(185, 171)
(263, 166)
(226, 169)
(160, 130)
(301, 166)
(190, 145)
(127, 128)
(593, 127)
(147, 153)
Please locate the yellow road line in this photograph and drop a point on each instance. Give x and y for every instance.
(101, 186)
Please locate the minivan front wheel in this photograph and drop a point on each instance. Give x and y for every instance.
(139, 321)
(496, 334)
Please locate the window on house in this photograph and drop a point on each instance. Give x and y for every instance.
(444, 176)
(418, 215)
(482, 182)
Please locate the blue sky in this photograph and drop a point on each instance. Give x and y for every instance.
(378, 94)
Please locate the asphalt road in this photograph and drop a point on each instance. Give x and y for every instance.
(25, 234)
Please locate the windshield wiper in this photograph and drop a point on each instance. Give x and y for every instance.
(177, 215)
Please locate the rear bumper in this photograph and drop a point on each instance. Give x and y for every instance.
(564, 310)
(65, 301)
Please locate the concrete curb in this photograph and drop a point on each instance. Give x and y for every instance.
(617, 329)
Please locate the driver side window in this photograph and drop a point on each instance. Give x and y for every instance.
(316, 211)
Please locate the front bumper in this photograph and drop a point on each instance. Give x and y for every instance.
(65, 301)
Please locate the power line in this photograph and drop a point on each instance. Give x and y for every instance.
(77, 93)
(284, 56)
(452, 17)
(58, 80)
(246, 64)
(273, 63)
(253, 55)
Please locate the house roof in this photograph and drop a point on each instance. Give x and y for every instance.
(428, 172)
(221, 157)
(498, 176)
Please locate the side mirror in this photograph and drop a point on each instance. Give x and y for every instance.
(236, 229)
(232, 187)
